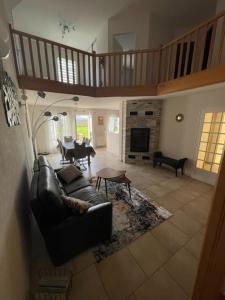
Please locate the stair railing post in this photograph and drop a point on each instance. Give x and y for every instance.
(94, 68)
(160, 59)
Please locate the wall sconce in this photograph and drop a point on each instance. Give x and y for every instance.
(179, 117)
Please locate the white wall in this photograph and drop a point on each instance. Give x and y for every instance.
(15, 165)
(220, 6)
(133, 19)
(101, 45)
(159, 32)
(180, 140)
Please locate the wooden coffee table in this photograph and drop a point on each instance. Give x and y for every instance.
(114, 176)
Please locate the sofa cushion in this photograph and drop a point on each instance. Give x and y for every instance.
(90, 195)
(75, 185)
(69, 173)
(50, 196)
(76, 204)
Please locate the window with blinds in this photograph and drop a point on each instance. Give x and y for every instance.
(63, 75)
(212, 142)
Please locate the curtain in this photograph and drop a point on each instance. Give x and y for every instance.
(51, 131)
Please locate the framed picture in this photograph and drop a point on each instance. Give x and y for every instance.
(10, 100)
(100, 120)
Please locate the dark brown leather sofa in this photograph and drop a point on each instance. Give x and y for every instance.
(66, 233)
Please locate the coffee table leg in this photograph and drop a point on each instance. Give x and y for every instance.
(106, 192)
(97, 183)
(129, 190)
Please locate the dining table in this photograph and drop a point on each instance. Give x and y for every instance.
(69, 151)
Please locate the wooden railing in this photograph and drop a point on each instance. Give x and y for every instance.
(200, 49)
(127, 69)
(44, 59)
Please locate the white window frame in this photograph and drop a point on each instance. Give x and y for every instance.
(112, 124)
(61, 62)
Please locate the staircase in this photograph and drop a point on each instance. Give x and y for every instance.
(192, 60)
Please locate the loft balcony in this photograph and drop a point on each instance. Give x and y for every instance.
(192, 60)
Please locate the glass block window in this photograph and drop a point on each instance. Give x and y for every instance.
(212, 142)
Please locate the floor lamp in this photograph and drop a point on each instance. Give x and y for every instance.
(45, 116)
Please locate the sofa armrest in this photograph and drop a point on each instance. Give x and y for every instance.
(99, 208)
(104, 210)
(78, 233)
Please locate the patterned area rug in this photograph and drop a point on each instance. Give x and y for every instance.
(131, 218)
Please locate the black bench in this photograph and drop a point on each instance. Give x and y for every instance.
(159, 159)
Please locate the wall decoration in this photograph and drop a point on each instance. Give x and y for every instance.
(10, 100)
(100, 120)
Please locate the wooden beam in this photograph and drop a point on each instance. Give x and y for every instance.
(126, 91)
(36, 84)
(203, 78)
(195, 80)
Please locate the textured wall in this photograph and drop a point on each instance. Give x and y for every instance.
(15, 167)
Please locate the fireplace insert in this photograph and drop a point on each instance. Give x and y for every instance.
(139, 141)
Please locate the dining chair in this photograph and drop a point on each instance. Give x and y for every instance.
(80, 155)
(68, 139)
(62, 151)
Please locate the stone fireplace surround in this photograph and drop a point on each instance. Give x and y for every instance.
(141, 114)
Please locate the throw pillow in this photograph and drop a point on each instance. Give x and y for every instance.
(69, 173)
(77, 204)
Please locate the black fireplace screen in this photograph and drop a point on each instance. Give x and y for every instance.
(139, 141)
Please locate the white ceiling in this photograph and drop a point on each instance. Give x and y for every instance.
(41, 17)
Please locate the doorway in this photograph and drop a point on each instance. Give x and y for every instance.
(124, 42)
(83, 127)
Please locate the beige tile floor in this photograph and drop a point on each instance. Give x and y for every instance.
(159, 265)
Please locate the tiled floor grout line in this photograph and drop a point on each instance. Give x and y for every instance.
(172, 255)
(157, 269)
(165, 176)
(99, 275)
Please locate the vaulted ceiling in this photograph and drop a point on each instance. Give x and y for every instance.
(41, 17)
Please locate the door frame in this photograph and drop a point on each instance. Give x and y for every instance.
(209, 283)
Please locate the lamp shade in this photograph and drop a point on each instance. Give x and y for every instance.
(47, 114)
(55, 118)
